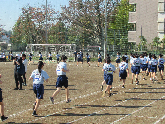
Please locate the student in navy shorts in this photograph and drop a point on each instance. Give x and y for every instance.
(123, 69)
(62, 80)
(161, 65)
(99, 58)
(117, 59)
(40, 55)
(110, 69)
(149, 66)
(144, 65)
(136, 67)
(88, 59)
(104, 65)
(78, 58)
(38, 77)
(2, 104)
(153, 69)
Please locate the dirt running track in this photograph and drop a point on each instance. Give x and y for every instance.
(136, 104)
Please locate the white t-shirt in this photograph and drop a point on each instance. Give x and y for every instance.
(60, 66)
(123, 66)
(161, 61)
(109, 68)
(39, 78)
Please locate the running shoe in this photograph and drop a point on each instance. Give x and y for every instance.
(110, 94)
(3, 118)
(16, 88)
(68, 101)
(34, 113)
(137, 83)
(151, 79)
(52, 100)
(123, 86)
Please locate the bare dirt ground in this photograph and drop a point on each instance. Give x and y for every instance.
(136, 104)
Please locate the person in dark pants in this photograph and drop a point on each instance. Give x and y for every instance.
(81, 54)
(25, 62)
(75, 55)
(15, 70)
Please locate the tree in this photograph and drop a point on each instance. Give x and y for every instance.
(143, 42)
(30, 27)
(156, 42)
(87, 17)
(118, 24)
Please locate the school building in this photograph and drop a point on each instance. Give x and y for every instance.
(148, 20)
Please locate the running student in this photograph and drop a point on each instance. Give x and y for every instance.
(144, 65)
(78, 58)
(38, 77)
(50, 56)
(123, 69)
(2, 104)
(88, 59)
(126, 57)
(62, 80)
(153, 69)
(149, 65)
(99, 58)
(30, 58)
(104, 72)
(110, 69)
(135, 67)
(25, 62)
(57, 57)
(40, 55)
(161, 65)
(117, 59)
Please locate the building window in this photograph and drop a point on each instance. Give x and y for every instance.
(161, 26)
(161, 7)
(132, 8)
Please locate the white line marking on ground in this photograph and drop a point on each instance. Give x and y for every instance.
(115, 105)
(159, 120)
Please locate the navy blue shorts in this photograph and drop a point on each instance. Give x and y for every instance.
(50, 58)
(126, 61)
(144, 67)
(40, 58)
(11, 57)
(161, 67)
(105, 75)
(30, 58)
(62, 80)
(99, 60)
(140, 66)
(88, 60)
(1, 95)
(58, 59)
(38, 90)
(153, 68)
(109, 79)
(149, 68)
(118, 61)
(123, 74)
(132, 69)
(136, 69)
(79, 60)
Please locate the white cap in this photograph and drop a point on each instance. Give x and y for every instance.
(17, 55)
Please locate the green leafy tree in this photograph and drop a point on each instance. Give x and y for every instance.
(143, 42)
(118, 24)
(156, 42)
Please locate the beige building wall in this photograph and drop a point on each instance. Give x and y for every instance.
(146, 19)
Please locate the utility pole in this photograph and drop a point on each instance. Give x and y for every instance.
(105, 39)
(46, 32)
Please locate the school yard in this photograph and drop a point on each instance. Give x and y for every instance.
(136, 104)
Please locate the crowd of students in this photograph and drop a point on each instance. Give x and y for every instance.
(146, 63)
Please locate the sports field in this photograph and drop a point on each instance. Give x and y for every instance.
(136, 104)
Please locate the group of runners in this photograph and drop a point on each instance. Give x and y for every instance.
(146, 63)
